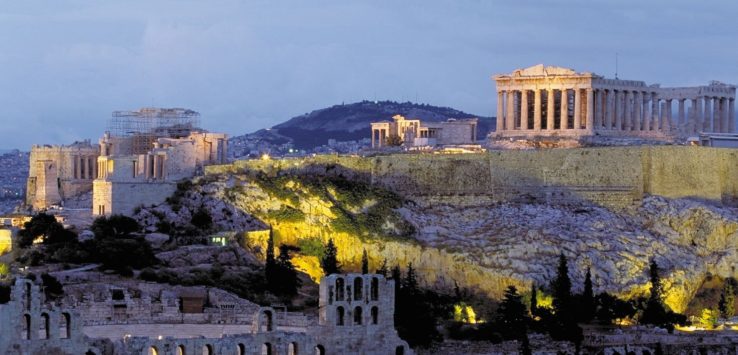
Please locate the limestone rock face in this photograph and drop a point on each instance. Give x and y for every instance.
(490, 246)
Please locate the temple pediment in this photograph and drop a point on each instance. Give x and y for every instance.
(541, 70)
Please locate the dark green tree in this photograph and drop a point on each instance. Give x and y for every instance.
(286, 280)
(562, 287)
(383, 268)
(512, 315)
(397, 277)
(533, 299)
(53, 289)
(45, 226)
(415, 318)
(587, 307)
(364, 263)
(202, 219)
(329, 263)
(727, 301)
(114, 226)
(610, 308)
(270, 265)
(410, 283)
(655, 312)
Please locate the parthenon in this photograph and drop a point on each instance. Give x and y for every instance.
(554, 101)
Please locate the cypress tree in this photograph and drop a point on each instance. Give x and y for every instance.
(727, 301)
(562, 286)
(588, 301)
(288, 282)
(270, 269)
(397, 277)
(411, 280)
(364, 263)
(330, 259)
(512, 315)
(655, 312)
(533, 299)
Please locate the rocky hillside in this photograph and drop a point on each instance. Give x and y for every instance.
(481, 247)
(351, 122)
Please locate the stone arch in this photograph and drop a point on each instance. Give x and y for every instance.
(339, 315)
(400, 350)
(152, 351)
(65, 325)
(241, 349)
(181, 350)
(358, 288)
(319, 350)
(26, 327)
(358, 314)
(264, 320)
(375, 315)
(340, 289)
(266, 349)
(375, 288)
(45, 330)
(292, 348)
(207, 349)
(268, 320)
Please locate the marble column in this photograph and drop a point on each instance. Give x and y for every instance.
(609, 99)
(510, 116)
(564, 109)
(699, 115)
(717, 115)
(646, 117)
(655, 112)
(619, 110)
(665, 115)
(682, 123)
(731, 116)
(589, 118)
(629, 111)
(637, 111)
(707, 126)
(524, 109)
(577, 108)
(537, 110)
(551, 109)
(598, 113)
(500, 112)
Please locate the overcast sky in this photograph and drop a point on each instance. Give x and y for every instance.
(244, 65)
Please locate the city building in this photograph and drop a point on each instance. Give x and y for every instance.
(559, 102)
(414, 133)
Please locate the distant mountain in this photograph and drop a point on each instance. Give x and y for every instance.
(347, 122)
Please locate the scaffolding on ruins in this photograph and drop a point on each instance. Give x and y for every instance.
(145, 125)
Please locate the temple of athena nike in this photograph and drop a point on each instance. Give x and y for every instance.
(559, 102)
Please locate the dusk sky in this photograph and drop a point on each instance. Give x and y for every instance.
(244, 65)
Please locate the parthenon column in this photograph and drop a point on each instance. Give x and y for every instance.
(682, 124)
(589, 124)
(500, 113)
(665, 115)
(564, 109)
(629, 111)
(716, 114)
(637, 110)
(731, 116)
(707, 126)
(699, 115)
(510, 116)
(619, 110)
(646, 126)
(577, 108)
(524, 109)
(551, 109)
(609, 99)
(654, 112)
(598, 121)
(724, 114)
(537, 110)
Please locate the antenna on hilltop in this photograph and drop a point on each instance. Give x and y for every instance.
(616, 65)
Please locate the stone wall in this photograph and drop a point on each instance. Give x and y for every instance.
(609, 176)
(121, 197)
(59, 172)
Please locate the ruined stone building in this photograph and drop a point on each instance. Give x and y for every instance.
(146, 152)
(59, 172)
(414, 133)
(356, 317)
(559, 102)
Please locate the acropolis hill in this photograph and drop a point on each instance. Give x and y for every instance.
(492, 219)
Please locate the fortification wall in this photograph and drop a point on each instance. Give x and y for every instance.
(610, 176)
(123, 198)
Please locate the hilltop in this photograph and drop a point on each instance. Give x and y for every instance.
(347, 122)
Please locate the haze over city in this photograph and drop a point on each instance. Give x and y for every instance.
(65, 65)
